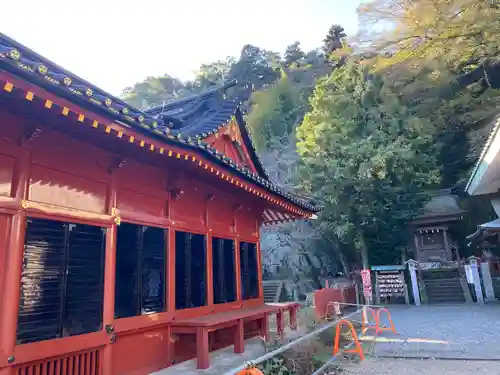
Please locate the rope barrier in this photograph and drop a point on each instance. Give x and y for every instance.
(290, 345)
(249, 366)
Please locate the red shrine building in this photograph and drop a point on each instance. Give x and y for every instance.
(129, 240)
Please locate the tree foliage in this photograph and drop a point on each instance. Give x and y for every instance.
(276, 111)
(366, 158)
(401, 109)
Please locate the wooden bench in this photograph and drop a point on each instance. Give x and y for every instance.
(203, 325)
(283, 307)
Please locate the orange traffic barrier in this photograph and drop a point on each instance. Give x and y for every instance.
(391, 327)
(364, 320)
(358, 349)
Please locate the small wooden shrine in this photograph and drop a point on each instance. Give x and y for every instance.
(129, 240)
(433, 244)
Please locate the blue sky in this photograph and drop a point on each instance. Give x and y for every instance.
(114, 44)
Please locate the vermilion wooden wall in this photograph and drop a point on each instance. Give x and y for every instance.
(71, 180)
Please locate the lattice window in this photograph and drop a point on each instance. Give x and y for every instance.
(249, 270)
(190, 270)
(61, 281)
(140, 270)
(224, 270)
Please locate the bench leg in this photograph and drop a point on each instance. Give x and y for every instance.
(293, 319)
(202, 348)
(280, 323)
(265, 327)
(170, 346)
(239, 337)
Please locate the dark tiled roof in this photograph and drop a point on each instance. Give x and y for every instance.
(197, 116)
(202, 115)
(183, 122)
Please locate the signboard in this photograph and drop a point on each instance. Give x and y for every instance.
(367, 283)
(390, 284)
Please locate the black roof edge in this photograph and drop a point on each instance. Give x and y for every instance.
(251, 148)
(175, 103)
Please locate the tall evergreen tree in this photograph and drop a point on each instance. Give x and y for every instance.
(294, 54)
(333, 40)
(367, 158)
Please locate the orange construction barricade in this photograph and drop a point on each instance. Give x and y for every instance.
(391, 327)
(365, 324)
(358, 349)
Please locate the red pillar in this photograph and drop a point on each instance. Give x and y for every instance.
(210, 284)
(9, 309)
(238, 270)
(109, 283)
(259, 269)
(280, 323)
(202, 349)
(265, 327)
(109, 296)
(293, 318)
(239, 338)
(171, 270)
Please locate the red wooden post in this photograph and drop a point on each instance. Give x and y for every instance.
(11, 289)
(109, 280)
(202, 349)
(171, 271)
(109, 295)
(237, 266)
(259, 270)
(293, 317)
(265, 327)
(280, 323)
(170, 346)
(239, 338)
(209, 268)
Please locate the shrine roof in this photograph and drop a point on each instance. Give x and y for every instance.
(443, 206)
(202, 115)
(182, 122)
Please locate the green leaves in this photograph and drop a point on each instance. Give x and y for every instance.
(366, 157)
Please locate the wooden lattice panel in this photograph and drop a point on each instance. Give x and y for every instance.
(83, 363)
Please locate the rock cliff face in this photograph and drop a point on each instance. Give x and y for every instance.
(291, 250)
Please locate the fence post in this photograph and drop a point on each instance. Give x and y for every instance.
(412, 267)
(477, 280)
(487, 281)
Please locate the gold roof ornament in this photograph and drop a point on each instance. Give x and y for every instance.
(42, 69)
(14, 54)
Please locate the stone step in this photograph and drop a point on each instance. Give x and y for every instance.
(439, 274)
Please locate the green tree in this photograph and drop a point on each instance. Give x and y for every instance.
(276, 111)
(294, 54)
(153, 91)
(213, 74)
(334, 40)
(366, 157)
(255, 66)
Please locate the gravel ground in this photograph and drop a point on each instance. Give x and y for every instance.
(472, 332)
(379, 366)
